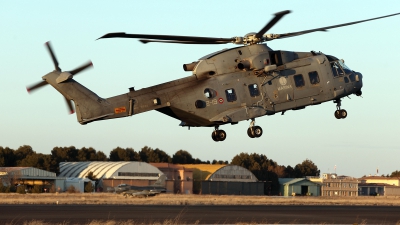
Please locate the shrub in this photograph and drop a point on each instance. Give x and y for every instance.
(89, 187)
(21, 189)
(3, 188)
(72, 189)
(37, 189)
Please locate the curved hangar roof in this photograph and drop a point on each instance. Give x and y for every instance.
(110, 170)
(232, 173)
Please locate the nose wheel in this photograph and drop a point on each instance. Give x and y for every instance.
(218, 135)
(254, 131)
(339, 113)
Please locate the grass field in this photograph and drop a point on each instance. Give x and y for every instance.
(191, 199)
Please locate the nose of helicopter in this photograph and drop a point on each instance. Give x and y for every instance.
(358, 84)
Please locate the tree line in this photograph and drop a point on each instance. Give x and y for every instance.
(259, 164)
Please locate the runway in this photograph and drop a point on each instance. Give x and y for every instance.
(214, 214)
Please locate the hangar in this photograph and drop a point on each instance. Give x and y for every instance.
(111, 174)
(30, 177)
(226, 180)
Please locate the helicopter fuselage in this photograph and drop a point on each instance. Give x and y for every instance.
(244, 83)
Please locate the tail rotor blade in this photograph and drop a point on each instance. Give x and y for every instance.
(53, 57)
(81, 68)
(35, 86)
(70, 107)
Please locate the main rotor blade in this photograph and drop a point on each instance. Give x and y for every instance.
(168, 37)
(53, 57)
(145, 41)
(83, 67)
(35, 86)
(271, 23)
(329, 27)
(69, 105)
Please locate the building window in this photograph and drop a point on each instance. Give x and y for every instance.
(130, 174)
(254, 91)
(230, 95)
(299, 80)
(314, 78)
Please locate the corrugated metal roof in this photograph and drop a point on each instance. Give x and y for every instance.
(28, 171)
(232, 173)
(287, 181)
(110, 170)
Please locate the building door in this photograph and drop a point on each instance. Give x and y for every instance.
(304, 190)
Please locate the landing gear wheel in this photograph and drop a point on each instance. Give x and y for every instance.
(221, 135)
(337, 114)
(218, 135)
(250, 132)
(257, 131)
(340, 114)
(214, 135)
(343, 113)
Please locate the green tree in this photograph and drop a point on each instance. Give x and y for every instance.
(86, 154)
(395, 174)
(7, 157)
(261, 167)
(182, 157)
(150, 155)
(121, 154)
(306, 168)
(23, 152)
(62, 154)
(101, 156)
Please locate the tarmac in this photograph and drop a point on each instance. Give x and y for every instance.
(201, 214)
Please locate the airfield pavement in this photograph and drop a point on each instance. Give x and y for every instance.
(114, 209)
(192, 199)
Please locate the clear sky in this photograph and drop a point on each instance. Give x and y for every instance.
(366, 140)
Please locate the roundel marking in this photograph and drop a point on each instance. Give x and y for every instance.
(221, 100)
(282, 81)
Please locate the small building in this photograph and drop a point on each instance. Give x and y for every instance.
(78, 183)
(378, 189)
(299, 187)
(111, 174)
(179, 179)
(395, 181)
(333, 185)
(30, 177)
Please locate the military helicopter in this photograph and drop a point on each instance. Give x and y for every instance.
(226, 87)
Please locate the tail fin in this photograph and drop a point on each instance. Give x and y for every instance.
(89, 106)
(160, 182)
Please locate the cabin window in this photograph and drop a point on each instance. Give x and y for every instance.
(299, 80)
(254, 91)
(346, 80)
(230, 95)
(314, 78)
(210, 93)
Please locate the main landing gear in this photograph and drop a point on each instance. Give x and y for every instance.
(218, 135)
(254, 131)
(339, 113)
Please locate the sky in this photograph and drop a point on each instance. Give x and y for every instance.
(365, 141)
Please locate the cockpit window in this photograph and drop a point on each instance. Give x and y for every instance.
(336, 69)
(254, 91)
(346, 69)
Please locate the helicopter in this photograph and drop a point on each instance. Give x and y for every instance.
(226, 87)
